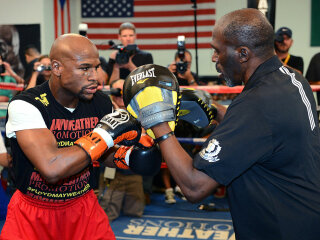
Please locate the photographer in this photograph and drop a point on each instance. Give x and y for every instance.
(31, 54)
(282, 43)
(181, 68)
(41, 71)
(128, 56)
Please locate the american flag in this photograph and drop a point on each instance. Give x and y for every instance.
(158, 22)
(62, 22)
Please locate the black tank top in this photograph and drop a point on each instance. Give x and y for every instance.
(67, 127)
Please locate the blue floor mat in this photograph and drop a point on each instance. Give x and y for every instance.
(182, 220)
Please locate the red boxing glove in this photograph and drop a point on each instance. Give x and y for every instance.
(114, 128)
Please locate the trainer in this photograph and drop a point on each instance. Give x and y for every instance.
(266, 150)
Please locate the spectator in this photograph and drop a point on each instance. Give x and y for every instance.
(185, 77)
(125, 191)
(127, 36)
(313, 73)
(41, 71)
(283, 42)
(31, 54)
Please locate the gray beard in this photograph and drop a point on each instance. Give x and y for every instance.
(229, 82)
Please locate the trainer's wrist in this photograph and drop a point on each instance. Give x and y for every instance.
(161, 129)
(163, 137)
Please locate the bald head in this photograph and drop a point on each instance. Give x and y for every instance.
(72, 46)
(250, 28)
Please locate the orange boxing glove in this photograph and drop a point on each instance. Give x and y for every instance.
(114, 128)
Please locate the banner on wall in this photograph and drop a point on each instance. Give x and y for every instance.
(14, 39)
(158, 22)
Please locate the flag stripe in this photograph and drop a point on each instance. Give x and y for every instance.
(55, 7)
(174, 13)
(150, 35)
(62, 18)
(69, 17)
(62, 21)
(153, 24)
(168, 2)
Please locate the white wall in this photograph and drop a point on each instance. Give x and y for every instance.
(295, 14)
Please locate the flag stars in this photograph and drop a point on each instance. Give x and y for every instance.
(119, 8)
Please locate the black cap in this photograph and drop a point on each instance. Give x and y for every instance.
(284, 30)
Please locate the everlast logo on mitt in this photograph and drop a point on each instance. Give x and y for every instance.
(146, 74)
(115, 119)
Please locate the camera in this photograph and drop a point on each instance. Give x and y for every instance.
(2, 68)
(113, 91)
(124, 53)
(3, 54)
(182, 65)
(83, 28)
(42, 67)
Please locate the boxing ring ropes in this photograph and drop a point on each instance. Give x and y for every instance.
(218, 89)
